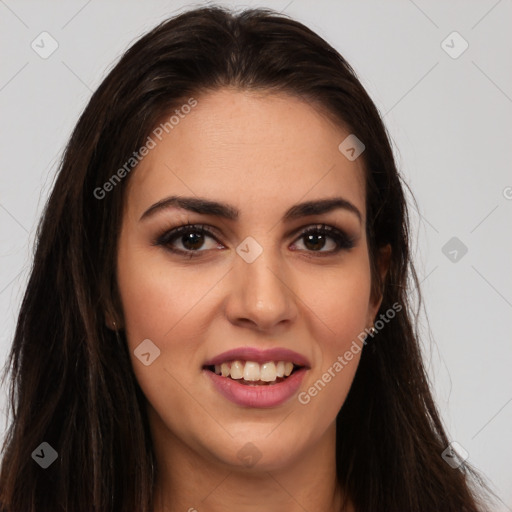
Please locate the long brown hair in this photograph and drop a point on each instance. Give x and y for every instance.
(72, 384)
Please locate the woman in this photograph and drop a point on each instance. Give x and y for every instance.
(218, 315)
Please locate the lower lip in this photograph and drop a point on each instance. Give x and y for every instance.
(270, 395)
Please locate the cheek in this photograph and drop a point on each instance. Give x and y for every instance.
(341, 304)
(156, 295)
(152, 304)
(167, 306)
(164, 304)
(339, 298)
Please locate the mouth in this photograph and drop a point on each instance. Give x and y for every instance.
(252, 373)
(251, 377)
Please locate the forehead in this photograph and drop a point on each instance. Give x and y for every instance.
(251, 149)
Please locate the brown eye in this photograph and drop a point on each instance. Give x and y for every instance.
(192, 241)
(315, 241)
(317, 237)
(191, 237)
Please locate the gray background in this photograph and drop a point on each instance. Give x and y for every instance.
(449, 119)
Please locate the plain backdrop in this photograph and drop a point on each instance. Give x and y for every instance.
(448, 109)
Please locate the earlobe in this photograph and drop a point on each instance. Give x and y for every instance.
(111, 322)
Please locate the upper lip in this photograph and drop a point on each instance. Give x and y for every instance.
(259, 356)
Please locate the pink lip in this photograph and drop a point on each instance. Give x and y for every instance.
(259, 356)
(262, 396)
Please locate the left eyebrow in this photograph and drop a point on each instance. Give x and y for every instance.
(208, 207)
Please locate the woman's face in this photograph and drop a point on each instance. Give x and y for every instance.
(254, 288)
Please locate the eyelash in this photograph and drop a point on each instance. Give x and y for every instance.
(342, 240)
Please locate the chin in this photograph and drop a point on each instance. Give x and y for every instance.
(258, 453)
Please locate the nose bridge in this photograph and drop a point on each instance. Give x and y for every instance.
(260, 291)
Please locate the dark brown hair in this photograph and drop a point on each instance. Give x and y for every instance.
(72, 383)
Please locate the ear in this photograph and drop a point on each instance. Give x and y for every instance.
(383, 262)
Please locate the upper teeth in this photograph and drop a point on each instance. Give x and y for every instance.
(251, 371)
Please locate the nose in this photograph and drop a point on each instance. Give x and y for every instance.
(261, 293)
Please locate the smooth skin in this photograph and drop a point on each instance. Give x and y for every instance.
(260, 153)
